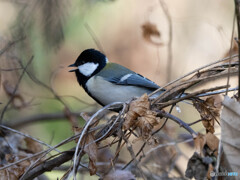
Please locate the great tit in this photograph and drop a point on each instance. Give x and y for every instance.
(108, 82)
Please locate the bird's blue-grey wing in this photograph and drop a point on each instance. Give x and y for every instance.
(124, 76)
(134, 80)
(137, 80)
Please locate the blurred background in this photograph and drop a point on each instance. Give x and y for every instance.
(160, 40)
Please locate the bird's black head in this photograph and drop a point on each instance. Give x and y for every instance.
(88, 63)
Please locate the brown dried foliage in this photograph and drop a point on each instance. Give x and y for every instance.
(13, 148)
(209, 112)
(90, 147)
(91, 150)
(202, 162)
(140, 116)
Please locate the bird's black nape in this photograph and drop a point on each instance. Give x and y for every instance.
(90, 55)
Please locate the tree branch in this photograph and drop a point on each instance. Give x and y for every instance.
(49, 164)
(177, 120)
(17, 123)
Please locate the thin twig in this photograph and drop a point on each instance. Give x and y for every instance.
(28, 136)
(189, 96)
(113, 124)
(179, 121)
(94, 37)
(70, 139)
(10, 44)
(49, 165)
(23, 159)
(118, 149)
(195, 122)
(217, 92)
(130, 149)
(167, 144)
(37, 81)
(140, 150)
(90, 121)
(192, 72)
(170, 35)
(191, 82)
(15, 89)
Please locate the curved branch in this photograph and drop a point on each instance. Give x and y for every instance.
(179, 121)
(49, 164)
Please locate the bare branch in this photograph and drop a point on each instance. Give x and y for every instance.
(189, 96)
(15, 89)
(28, 136)
(17, 123)
(94, 37)
(10, 44)
(179, 121)
(49, 165)
(192, 72)
(84, 131)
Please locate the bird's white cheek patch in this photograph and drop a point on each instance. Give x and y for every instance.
(87, 69)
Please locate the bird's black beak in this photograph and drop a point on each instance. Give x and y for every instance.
(72, 65)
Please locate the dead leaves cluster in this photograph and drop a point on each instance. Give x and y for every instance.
(201, 164)
(208, 139)
(206, 146)
(209, 112)
(13, 148)
(140, 116)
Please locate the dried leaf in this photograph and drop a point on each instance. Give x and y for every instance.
(230, 133)
(147, 122)
(150, 30)
(212, 142)
(140, 115)
(91, 149)
(137, 109)
(209, 112)
(200, 165)
(199, 143)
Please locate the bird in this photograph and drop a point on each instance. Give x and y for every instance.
(108, 82)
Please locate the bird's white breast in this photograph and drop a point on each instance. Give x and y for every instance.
(107, 92)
